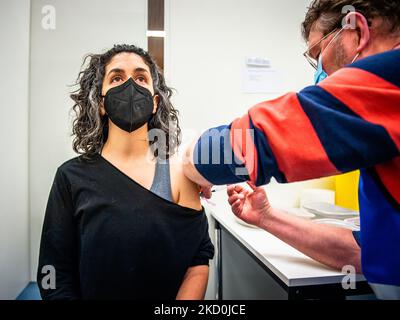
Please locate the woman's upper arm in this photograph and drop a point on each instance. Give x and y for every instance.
(194, 284)
(186, 191)
(189, 195)
(59, 246)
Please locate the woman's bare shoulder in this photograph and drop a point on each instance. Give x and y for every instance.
(186, 191)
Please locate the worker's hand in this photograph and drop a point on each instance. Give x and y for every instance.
(250, 206)
(205, 192)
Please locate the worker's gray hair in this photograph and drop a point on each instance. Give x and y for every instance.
(327, 15)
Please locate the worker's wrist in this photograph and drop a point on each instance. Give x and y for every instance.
(268, 218)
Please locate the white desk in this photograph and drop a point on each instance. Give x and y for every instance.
(290, 266)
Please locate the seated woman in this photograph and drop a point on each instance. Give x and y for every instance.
(122, 221)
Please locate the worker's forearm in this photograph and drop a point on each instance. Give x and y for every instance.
(331, 246)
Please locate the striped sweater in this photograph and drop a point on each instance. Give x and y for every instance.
(350, 121)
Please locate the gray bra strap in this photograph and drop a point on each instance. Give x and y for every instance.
(162, 181)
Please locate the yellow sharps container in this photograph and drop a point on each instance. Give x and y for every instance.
(347, 190)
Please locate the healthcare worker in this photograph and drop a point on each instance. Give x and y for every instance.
(349, 120)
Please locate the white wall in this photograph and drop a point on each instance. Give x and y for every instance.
(206, 45)
(207, 42)
(14, 220)
(206, 70)
(56, 56)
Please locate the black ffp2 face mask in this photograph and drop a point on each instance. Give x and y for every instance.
(129, 106)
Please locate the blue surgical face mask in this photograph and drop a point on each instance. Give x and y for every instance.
(320, 73)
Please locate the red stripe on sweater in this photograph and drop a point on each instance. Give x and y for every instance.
(298, 151)
(369, 96)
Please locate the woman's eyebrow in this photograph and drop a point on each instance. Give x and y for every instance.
(118, 70)
(115, 70)
(141, 70)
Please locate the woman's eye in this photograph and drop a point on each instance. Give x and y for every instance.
(141, 79)
(116, 79)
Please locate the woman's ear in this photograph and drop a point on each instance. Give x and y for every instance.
(156, 100)
(102, 109)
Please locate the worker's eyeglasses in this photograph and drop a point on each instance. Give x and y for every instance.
(314, 61)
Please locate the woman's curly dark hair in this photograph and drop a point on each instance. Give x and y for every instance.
(90, 129)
